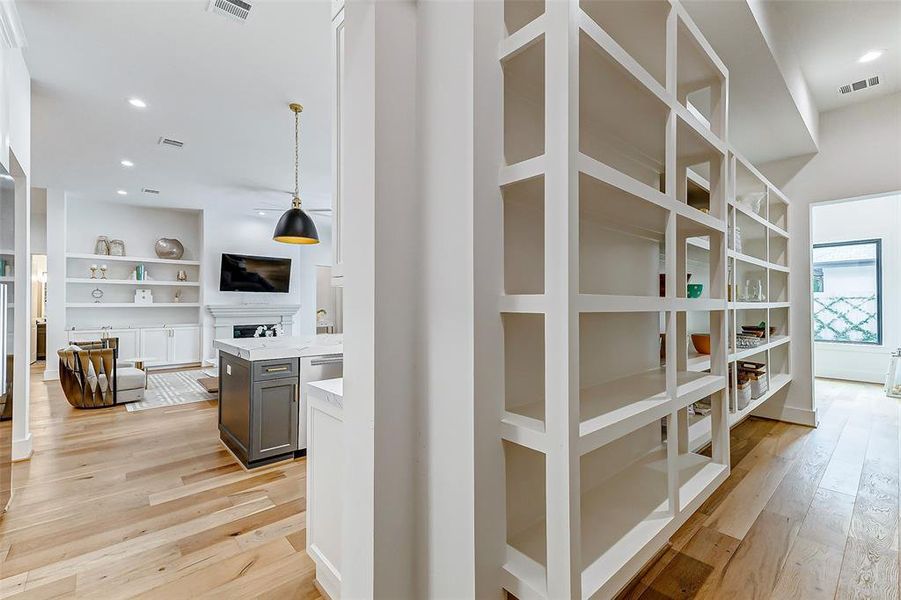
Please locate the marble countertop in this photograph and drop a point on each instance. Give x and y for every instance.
(330, 390)
(282, 347)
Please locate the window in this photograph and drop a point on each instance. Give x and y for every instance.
(847, 292)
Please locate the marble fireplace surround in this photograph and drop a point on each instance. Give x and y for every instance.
(226, 316)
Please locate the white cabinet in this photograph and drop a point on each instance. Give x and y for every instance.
(176, 345)
(162, 346)
(184, 345)
(337, 135)
(129, 339)
(155, 346)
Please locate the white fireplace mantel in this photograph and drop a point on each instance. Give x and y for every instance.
(227, 316)
(252, 311)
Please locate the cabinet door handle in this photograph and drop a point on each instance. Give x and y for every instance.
(276, 369)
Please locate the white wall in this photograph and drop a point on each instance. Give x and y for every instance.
(15, 156)
(38, 221)
(860, 154)
(244, 233)
(876, 218)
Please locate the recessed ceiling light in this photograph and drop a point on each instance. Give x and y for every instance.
(126, 163)
(137, 103)
(261, 213)
(870, 56)
(122, 192)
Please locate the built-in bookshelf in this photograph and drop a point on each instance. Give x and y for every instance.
(614, 189)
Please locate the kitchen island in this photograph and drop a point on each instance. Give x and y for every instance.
(325, 481)
(262, 404)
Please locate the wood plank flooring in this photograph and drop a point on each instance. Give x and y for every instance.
(148, 505)
(805, 513)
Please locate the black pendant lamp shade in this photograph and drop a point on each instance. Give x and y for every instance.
(296, 226)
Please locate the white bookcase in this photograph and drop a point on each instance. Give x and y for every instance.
(761, 255)
(614, 174)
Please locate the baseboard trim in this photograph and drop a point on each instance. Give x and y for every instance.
(51, 374)
(789, 414)
(22, 448)
(854, 375)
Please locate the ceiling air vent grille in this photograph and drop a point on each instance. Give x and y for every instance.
(859, 85)
(164, 141)
(233, 9)
(150, 191)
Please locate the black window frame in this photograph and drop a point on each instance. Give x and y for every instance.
(879, 315)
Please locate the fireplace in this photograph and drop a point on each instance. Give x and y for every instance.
(241, 320)
(249, 331)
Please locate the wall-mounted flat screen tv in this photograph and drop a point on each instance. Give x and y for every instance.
(242, 273)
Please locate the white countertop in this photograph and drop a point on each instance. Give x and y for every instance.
(282, 347)
(330, 390)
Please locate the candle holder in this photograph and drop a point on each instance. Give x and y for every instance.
(93, 271)
(102, 271)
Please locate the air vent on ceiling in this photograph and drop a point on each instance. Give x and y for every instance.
(164, 141)
(233, 9)
(150, 191)
(859, 85)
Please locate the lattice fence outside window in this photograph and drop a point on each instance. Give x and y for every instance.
(846, 319)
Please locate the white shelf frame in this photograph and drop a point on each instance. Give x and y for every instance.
(562, 435)
(135, 282)
(100, 258)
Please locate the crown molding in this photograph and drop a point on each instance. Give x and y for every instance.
(12, 35)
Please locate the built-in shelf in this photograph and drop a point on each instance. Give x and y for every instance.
(7, 279)
(777, 382)
(132, 305)
(88, 280)
(775, 341)
(99, 258)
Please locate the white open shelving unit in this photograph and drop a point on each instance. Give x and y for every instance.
(118, 286)
(763, 256)
(615, 173)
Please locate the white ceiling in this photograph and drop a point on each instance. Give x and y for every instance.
(219, 86)
(829, 37)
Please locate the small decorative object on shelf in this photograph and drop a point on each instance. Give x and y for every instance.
(695, 290)
(93, 271)
(752, 201)
(101, 246)
(701, 342)
(177, 297)
(103, 271)
(893, 380)
(143, 296)
(169, 248)
(181, 276)
(140, 272)
(116, 248)
(97, 294)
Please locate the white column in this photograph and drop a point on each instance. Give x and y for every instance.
(56, 279)
(21, 370)
(381, 252)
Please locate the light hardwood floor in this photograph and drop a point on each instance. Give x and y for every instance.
(148, 504)
(805, 513)
(118, 505)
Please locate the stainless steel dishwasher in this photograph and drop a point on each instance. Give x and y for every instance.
(315, 368)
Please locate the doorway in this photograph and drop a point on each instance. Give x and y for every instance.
(38, 307)
(856, 267)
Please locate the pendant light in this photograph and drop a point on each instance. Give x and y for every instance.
(296, 226)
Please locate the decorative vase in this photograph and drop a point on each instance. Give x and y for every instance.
(101, 246)
(116, 248)
(182, 276)
(169, 248)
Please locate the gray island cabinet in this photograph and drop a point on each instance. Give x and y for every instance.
(262, 412)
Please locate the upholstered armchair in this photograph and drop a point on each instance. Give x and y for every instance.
(90, 377)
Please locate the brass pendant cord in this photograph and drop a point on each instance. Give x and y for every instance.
(297, 108)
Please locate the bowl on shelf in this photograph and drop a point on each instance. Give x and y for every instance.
(695, 290)
(701, 342)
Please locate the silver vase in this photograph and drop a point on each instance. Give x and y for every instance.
(169, 248)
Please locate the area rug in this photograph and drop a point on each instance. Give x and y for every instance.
(172, 389)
